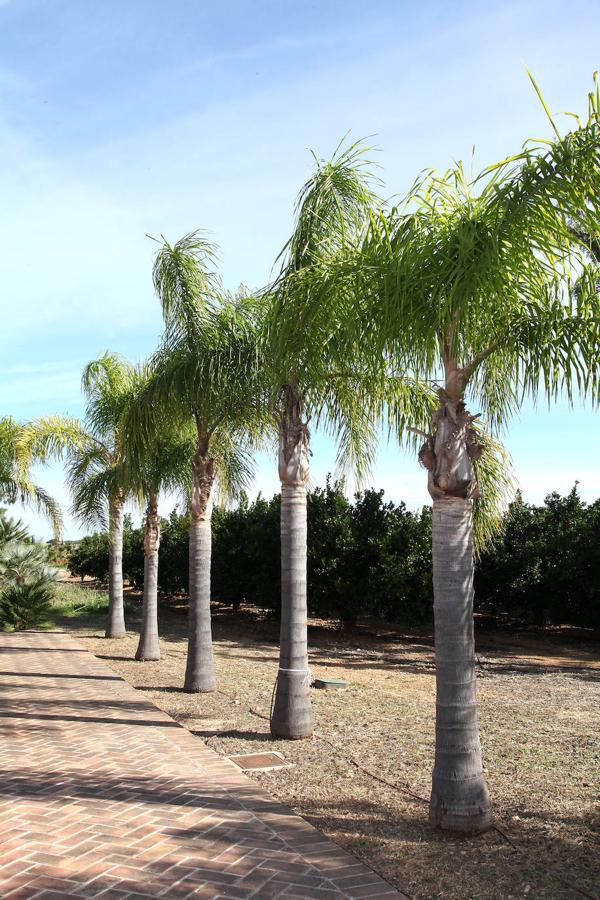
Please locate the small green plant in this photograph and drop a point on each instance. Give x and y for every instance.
(26, 580)
(26, 604)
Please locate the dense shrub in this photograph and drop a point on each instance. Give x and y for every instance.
(369, 557)
(26, 604)
(26, 580)
(546, 566)
(89, 557)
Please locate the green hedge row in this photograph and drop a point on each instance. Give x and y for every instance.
(370, 557)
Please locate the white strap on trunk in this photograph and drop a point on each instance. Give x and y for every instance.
(306, 672)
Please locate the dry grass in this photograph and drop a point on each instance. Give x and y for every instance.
(540, 725)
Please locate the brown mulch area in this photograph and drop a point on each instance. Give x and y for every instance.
(360, 778)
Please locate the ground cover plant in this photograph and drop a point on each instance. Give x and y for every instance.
(364, 777)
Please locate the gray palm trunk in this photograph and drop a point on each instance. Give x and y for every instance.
(459, 797)
(149, 645)
(291, 716)
(200, 672)
(115, 623)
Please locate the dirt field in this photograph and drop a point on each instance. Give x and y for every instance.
(539, 701)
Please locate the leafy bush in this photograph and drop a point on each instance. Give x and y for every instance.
(371, 557)
(89, 557)
(26, 581)
(546, 566)
(26, 604)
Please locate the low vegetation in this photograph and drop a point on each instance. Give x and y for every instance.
(26, 579)
(373, 558)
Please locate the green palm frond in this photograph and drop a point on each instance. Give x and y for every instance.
(108, 383)
(51, 437)
(498, 486)
(336, 199)
(185, 281)
(481, 270)
(16, 479)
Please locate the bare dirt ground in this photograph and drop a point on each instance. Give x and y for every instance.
(359, 779)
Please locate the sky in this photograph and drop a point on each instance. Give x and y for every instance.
(119, 120)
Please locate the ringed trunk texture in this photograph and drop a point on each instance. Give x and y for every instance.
(200, 673)
(149, 646)
(459, 797)
(291, 715)
(115, 623)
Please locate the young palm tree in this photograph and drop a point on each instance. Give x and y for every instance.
(95, 455)
(204, 374)
(156, 465)
(470, 283)
(317, 381)
(16, 479)
(166, 469)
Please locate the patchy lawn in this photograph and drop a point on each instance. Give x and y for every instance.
(360, 778)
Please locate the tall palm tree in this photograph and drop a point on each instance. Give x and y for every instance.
(317, 381)
(204, 373)
(16, 477)
(469, 283)
(95, 454)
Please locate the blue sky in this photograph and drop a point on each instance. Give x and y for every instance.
(122, 119)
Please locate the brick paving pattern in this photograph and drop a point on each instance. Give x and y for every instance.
(104, 795)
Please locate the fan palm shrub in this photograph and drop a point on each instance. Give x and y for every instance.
(469, 283)
(26, 580)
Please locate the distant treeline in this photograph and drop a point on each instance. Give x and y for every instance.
(371, 557)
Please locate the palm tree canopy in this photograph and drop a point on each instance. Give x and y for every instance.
(306, 343)
(478, 273)
(204, 381)
(16, 478)
(158, 458)
(93, 449)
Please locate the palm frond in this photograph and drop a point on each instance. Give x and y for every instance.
(498, 486)
(185, 281)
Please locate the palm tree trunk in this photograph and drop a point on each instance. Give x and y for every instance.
(115, 623)
(291, 716)
(200, 673)
(459, 795)
(149, 646)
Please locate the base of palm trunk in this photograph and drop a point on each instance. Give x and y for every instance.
(472, 820)
(147, 654)
(199, 682)
(114, 633)
(291, 718)
(199, 688)
(115, 624)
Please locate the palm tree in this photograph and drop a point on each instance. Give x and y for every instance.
(95, 454)
(161, 463)
(317, 381)
(204, 373)
(469, 283)
(16, 479)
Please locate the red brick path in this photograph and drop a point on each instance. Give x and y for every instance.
(103, 795)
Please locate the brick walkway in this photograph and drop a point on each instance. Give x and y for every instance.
(103, 795)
